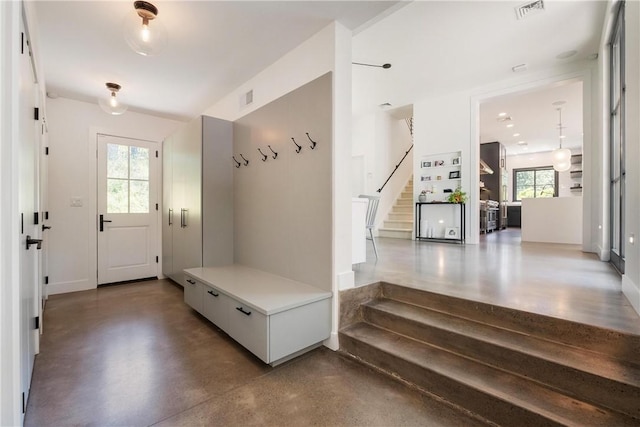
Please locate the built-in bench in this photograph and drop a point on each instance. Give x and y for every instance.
(273, 317)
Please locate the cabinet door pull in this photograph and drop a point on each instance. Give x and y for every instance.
(213, 293)
(191, 281)
(170, 216)
(242, 311)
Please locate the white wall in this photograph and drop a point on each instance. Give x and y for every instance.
(534, 160)
(72, 173)
(328, 50)
(631, 277)
(382, 139)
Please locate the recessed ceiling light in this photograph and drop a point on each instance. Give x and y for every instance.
(558, 103)
(502, 114)
(567, 54)
(516, 134)
(510, 125)
(522, 142)
(524, 147)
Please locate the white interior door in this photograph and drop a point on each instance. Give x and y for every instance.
(127, 209)
(29, 233)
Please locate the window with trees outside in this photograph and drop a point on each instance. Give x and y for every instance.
(534, 182)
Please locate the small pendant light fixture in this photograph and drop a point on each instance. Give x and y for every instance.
(111, 104)
(141, 34)
(561, 157)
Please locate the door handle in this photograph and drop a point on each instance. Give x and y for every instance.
(31, 241)
(170, 216)
(102, 221)
(45, 227)
(183, 217)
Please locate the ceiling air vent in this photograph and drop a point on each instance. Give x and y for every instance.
(529, 8)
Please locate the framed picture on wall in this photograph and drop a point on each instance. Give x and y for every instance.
(455, 161)
(426, 164)
(454, 175)
(425, 178)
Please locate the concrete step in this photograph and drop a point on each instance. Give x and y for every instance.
(394, 233)
(581, 374)
(402, 224)
(493, 394)
(614, 344)
(401, 217)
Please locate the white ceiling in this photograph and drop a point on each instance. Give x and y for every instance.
(440, 47)
(535, 118)
(436, 47)
(214, 46)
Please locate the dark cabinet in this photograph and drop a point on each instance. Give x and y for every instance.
(494, 155)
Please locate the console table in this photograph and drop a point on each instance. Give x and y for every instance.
(460, 238)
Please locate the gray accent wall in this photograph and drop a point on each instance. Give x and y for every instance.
(283, 206)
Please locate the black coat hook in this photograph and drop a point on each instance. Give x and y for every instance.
(274, 153)
(264, 156)
(246, 162)
(238, 164)
(299, 147)
(313, 143)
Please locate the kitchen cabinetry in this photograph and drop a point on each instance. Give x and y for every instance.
(494, 155)
(273, 317)
(197, 214)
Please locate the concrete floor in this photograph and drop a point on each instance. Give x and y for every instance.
(136, 355)
(551, 279)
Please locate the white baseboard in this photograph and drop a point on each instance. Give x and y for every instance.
(66, 287)
(332, 342)
(632, 292)
(602, 253)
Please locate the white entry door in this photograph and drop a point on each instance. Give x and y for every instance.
(127, 217)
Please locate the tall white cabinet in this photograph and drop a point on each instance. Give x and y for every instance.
(197, 215)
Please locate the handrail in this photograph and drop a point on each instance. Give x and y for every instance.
(395, 169)
(409, 122)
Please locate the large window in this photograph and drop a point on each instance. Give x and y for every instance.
(534, 182)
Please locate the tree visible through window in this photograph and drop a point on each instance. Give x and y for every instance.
(127, 179)
(535, 182)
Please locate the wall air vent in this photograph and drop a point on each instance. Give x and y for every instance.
(530, 8)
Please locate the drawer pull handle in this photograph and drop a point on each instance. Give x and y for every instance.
(212, 293)
(242, 311)
(191, 281)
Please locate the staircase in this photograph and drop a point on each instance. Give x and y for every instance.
(399, 222)
(505, 366)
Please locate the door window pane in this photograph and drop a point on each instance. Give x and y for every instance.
(139, 201)
(117, 161)
(139, 164)
(117, 195)
(127, 179)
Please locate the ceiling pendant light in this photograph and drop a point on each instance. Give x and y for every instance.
(561, 157)
(111, 104)
(141, 34)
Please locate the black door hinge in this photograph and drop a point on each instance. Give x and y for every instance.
(22, 43)
(46, 214)
(157, 259)
(37, 322)
(156, 154)
(36, 218)
(46, 280)
(46, 151)
(36, 113)
(156, 206)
